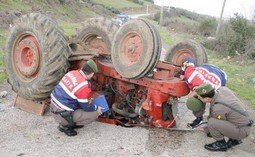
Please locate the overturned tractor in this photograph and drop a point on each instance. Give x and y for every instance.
(140, 89)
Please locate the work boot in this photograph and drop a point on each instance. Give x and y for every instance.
(77, 126)
(67, 130)
(196, 122)
(233, 142)
(217, 146)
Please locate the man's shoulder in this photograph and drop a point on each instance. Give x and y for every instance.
(74, 73)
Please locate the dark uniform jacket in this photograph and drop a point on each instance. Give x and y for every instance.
(219, 109)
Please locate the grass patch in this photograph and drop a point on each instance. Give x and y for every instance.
(171, 37)
(14, 4)
(117, 3)
(3, 35)
(168, 37)
(2, 76)
(69, 28)
(239, 76)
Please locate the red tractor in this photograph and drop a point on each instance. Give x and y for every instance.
(140, 89)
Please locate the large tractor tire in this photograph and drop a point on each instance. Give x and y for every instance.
(187, 48)
(136, 49)
(36, 56)
(97, 33)
(157, 50)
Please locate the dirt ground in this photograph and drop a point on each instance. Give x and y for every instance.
(27, 134)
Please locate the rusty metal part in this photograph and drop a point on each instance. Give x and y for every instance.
(135, 50)
(124, 111)
(97, 34)
(127, 124)
(187, 48)
(156, 92)
(82, 52)
(140, 111)
(171, 87)
(180, 55)
(27, 57)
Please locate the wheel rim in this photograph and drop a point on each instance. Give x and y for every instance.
(36, 56)
(131, 49)
(180, 55)
(187, 48)
(27, 57)
(97, 34)
(96, 42)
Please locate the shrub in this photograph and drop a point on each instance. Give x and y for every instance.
(235, 36)
(208, 27)
(140, 2)
(61, 1)
(250, 49)
(226, 43)
(152, 1)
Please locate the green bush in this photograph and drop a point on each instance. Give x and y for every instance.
(140, 2)
(156, 16)
(61, 1)
(235, 36)
(113, 10)
(226, 43)
(167, 17)
(208, 27)
(250, 49)
(88, 1)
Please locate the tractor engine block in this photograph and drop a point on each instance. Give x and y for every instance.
(137, 102)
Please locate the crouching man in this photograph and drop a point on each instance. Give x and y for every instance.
(227, 117)
(70, 105)
(196, 75)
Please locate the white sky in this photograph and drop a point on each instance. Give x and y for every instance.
(213, 7)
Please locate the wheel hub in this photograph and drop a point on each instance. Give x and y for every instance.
(96, 42)
(180, 55)
(27, 56)
(131, 49)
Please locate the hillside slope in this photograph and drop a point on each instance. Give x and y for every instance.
(184, 25)
(65, 10)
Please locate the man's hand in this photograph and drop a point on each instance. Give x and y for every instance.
(90, 100)
(200, 129)
(192, 94)
(99, 110)
(181, 77)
